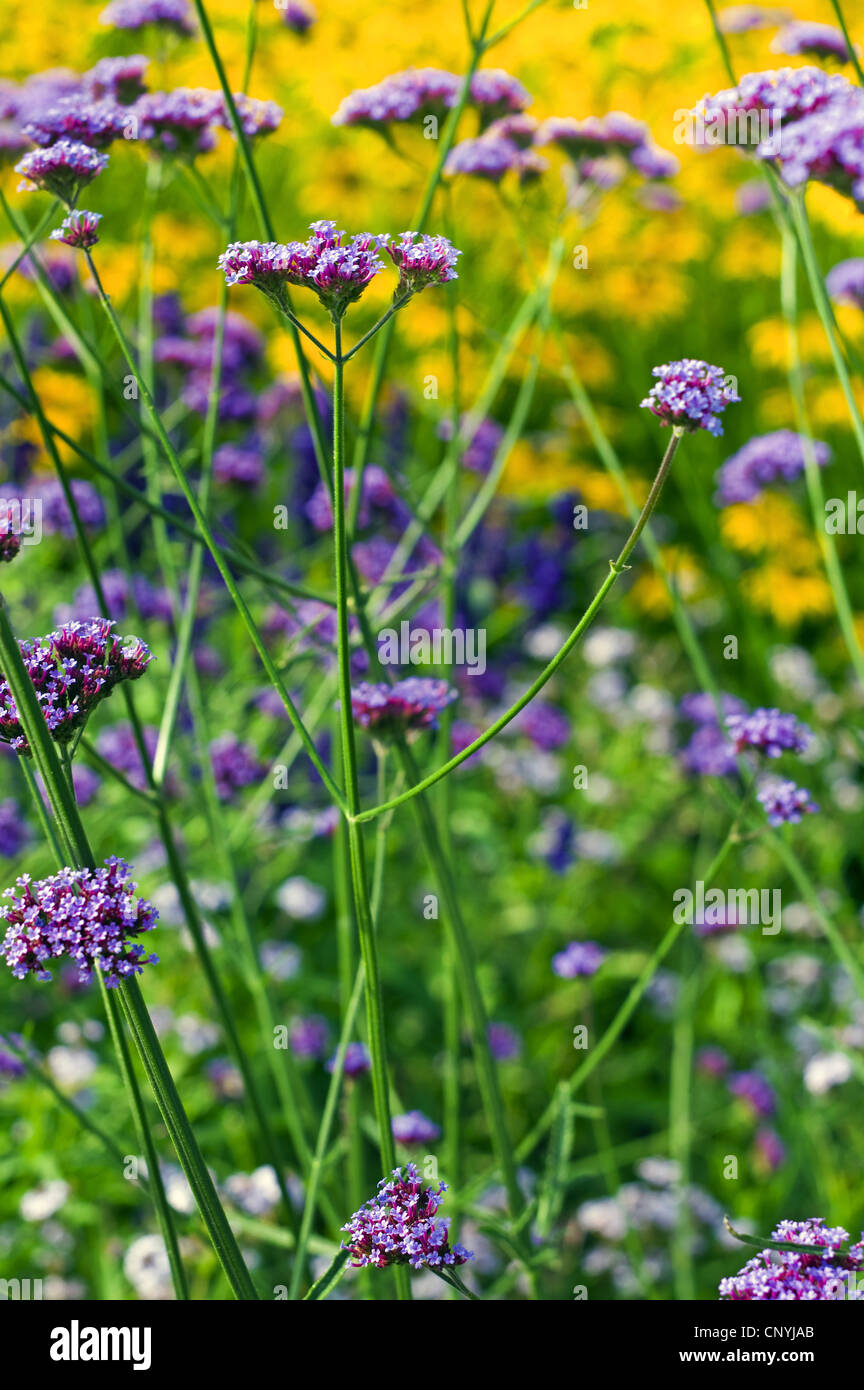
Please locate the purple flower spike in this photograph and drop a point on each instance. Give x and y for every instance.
(309, 1036)
(796, 1275)
(415, 1128)
(10, 541)
(73, 669)
(577, 959)
(297, 15)
(845, 282)
(94, 123)
(763, 460)
(175, 15)
(769, 731)
(79, 229)
(431, 260)
(63, 169)
(357, 1060)
(751, 1086)
(414, 703)
(784, 802)
(802, 39)
(91, 915)
(690, 395)
(400, 1226)
(120, 79)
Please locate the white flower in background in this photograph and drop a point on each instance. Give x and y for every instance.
(545, 641)
(825, 1070)
(281, 959)
(301, 899)
(605, 645)
(196, 1034)
(44, 1201)
(255, 1193)
(147, 1268)
(71, 1066)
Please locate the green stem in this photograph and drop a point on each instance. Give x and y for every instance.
(853, 53)
(616, 569)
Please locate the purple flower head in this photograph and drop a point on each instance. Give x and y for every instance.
(338, 271)
(740, 19)
(94, 123)
(482, 447)
(504, 1042)
(377, 498)
(770, 1148)
(709, 753)
(712, 1061)
(256, 117)
(90, 915)
(769, 731)
(751, 197)
(414, 1128)
(10, 540)
(241, 464)
(79, 229)
(400, 97)
(309, 1036)
(690, 395)
(63, 169)
(174, 15)
(120, 79)
(297, 15)
(615, 133)
(826, 146)
(431, 260)
(72, 669)
(752, 1087)
(400, 1226)
(357, 1060)
(183, 122)
(15, 833)
(762, 461)
(803, 39)
(743, 115)
(235, 765)
(845, 282)
(784, 802)
(796, 1275)
(496, 94)
(411, 704)
(545, 725)
(118, 746)
(577, 959)
(491, 156)
(716, 920)
(699, 707)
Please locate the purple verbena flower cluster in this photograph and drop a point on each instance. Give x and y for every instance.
(400, 1226)
(80, 229)
(577, 959)
(769, 731)
(63, 169)
(762, 461)
(235, 765)
(421, 261)
(784, 802)
(755, 1091)
(14, 831)
(845, 282)
(410, 704)
(414, 1128)
(690, 395)
(357, 1061)
(431, 91)
(90, 915)
(804, 39)
(72, 669)
(173, 15)
(789, 1275)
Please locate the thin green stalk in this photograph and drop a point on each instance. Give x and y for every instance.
(827, 543)
(801, 222)
(76, 846)
(214, 548)
(853, 52)
(356, 849)
(616, 569)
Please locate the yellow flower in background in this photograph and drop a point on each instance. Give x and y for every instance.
(789, 595)
(68, 403)
(770, 523)
(649, 594)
